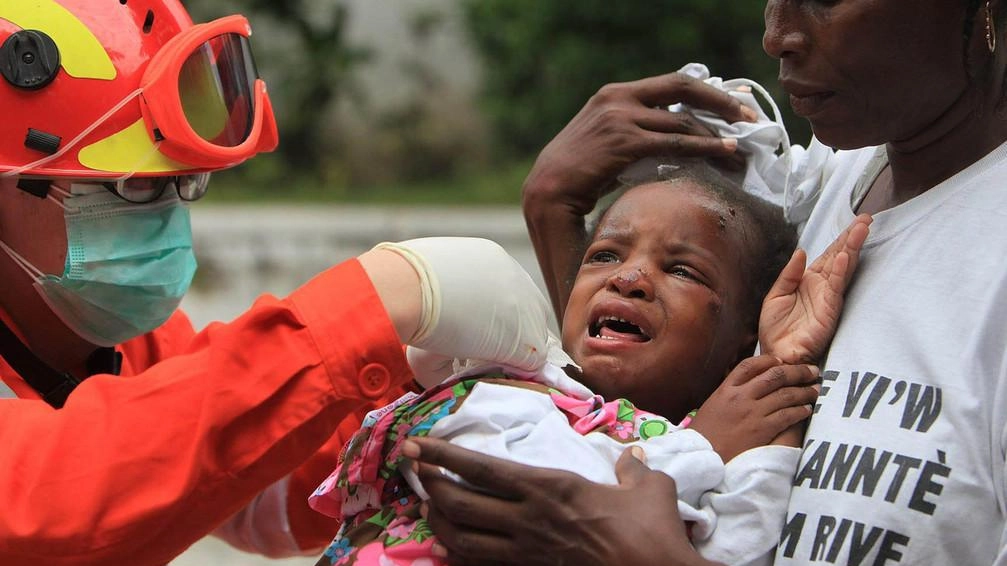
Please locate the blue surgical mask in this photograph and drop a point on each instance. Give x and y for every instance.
(127, 265)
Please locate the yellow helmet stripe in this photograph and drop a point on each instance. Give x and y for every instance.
(81, 54)
(128, 150)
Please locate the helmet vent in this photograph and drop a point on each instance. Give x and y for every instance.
(148, 22)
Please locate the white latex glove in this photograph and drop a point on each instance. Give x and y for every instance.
(478, 302)
(429, 368)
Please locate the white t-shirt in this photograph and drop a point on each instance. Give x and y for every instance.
(903, 462)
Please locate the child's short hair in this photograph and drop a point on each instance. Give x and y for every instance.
(771, 240)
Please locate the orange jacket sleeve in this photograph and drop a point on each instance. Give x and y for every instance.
(132, 471)
(286, 525)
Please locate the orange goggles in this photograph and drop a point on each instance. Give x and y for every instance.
(202, 99)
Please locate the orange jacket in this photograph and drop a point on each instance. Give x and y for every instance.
(132, 471)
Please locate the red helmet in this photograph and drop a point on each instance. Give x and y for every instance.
(106, 89)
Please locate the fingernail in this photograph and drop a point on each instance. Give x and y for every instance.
(814, 370)
(743, 88)
(410, 449)
(749, 114)
(730, 143)
(638, 453)
(817, 387)
(439, 551)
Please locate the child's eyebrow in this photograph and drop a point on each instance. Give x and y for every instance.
(694, 249)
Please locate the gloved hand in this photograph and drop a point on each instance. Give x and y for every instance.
(429, 368)
(478, 302)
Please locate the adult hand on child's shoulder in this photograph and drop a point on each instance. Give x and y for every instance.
(759, 400)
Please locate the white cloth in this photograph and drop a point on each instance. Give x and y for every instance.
(904, 458)
(787, 175)
(738, 509)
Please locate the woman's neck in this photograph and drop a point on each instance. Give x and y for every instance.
(969, 130)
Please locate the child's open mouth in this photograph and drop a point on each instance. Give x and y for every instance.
(615, 328)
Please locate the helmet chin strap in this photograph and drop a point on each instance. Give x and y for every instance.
(54, 386)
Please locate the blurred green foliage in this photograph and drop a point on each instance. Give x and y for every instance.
(543, 60)
(302, 51)
(539, 63)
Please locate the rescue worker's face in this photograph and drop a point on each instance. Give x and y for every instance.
(34, 228)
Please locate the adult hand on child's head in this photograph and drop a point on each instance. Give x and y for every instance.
(477, 302)
(801, 311)
(536, 516)
(623, 123)
(620, 125)
(758, 400)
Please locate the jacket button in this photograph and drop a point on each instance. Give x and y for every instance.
(374, 380)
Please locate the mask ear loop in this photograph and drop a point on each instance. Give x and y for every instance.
(32, 271)
(72, 143)
(60, 192)
(23, 263)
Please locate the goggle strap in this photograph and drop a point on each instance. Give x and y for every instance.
(28, 268)
(72, 143)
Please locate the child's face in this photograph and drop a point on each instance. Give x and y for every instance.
(654, 312)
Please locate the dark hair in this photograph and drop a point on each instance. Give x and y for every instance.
(770, 239)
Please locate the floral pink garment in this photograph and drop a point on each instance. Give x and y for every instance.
(382, 525)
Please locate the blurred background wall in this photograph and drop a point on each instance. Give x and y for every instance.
(404, 118)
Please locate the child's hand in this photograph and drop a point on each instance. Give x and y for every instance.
(801, 311)
(758, 401)
(793, 436)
